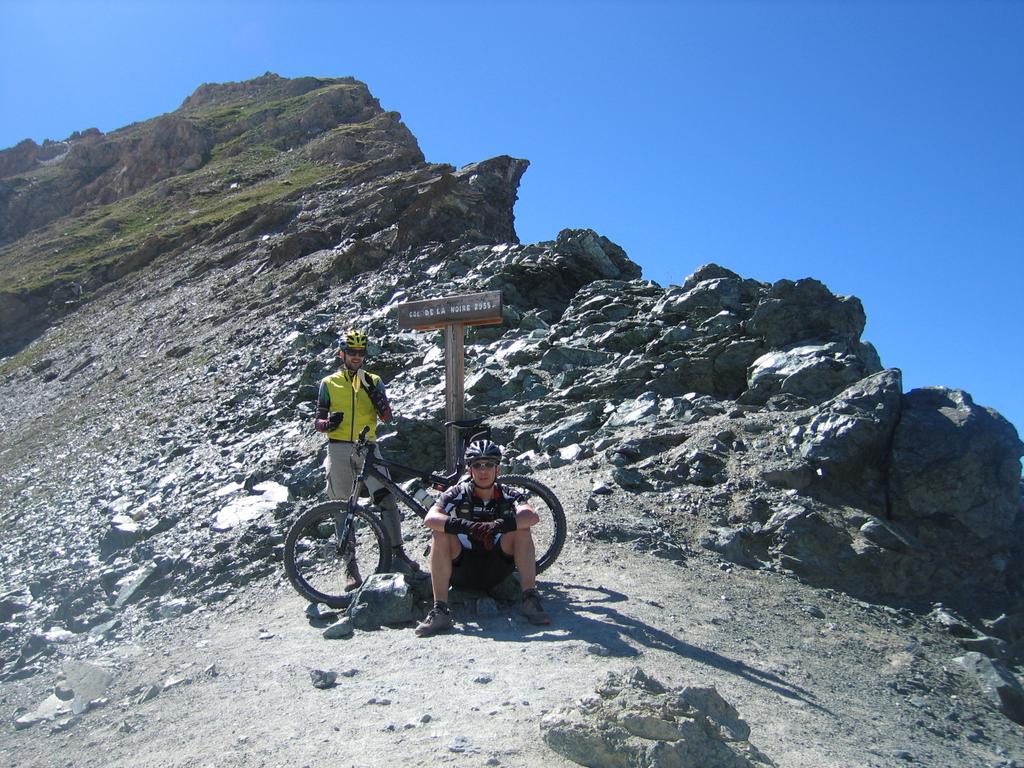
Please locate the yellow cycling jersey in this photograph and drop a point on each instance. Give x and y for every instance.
(343, 392)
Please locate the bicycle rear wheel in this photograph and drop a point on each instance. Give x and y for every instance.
(549, 533)
(315, 560)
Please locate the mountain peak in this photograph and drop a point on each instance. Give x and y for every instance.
(266, 87)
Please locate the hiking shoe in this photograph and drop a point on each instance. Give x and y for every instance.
(532, 608)
(438, 620)
(352, 578)
(405, 565)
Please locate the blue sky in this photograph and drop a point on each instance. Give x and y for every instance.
(876, 146)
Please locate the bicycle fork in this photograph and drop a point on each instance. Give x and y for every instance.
(344, 529)
(344, 524)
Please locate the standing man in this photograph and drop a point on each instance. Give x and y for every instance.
(348, 401)
(481, 533)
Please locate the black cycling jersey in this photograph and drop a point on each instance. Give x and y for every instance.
(459, 501)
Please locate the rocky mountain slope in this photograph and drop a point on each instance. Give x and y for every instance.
(170, 296)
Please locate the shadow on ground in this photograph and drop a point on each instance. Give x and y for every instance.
(595, 620)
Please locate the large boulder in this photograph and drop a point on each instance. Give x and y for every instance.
(921, 496)
(636, 720)
(705, 299)
(600, 257)
(847, 441)
(808, 541)
(384, 599)
(956, 463)
(814, 372)
(855, 428)
(804, 311)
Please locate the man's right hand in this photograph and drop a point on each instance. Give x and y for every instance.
(484, 533)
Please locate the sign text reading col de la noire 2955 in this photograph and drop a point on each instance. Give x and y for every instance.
(468, 309)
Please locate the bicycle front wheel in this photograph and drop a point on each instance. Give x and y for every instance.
(316, 561)
(549, 533)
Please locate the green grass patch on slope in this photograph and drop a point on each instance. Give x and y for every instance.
(72, 247)
(69, 249)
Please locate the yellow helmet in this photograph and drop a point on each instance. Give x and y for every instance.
(353, 339)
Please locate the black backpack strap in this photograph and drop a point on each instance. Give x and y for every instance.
(464, 507)
(379, 399)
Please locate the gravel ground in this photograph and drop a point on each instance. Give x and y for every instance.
(822, 679)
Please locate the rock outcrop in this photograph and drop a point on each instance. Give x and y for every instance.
(956, 462)
(636, 720)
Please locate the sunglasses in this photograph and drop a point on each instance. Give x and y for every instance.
(356, 352)
(483, 465)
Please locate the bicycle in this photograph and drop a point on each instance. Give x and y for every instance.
(322, 540)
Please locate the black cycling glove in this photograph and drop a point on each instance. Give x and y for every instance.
(456, 525)
(328, 423)
(482, 533)
(507, 523)
(485, 533)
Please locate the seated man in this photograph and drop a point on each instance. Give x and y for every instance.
(481, 534)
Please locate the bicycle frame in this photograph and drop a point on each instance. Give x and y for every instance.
(437, 482)
(372, 465)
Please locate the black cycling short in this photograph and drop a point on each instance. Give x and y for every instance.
(480, 569)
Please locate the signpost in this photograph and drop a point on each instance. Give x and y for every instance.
(453, 314)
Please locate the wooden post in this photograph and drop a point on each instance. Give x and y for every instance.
(453, 314)
(454, 389)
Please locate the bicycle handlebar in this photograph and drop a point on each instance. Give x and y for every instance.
(465, 424)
